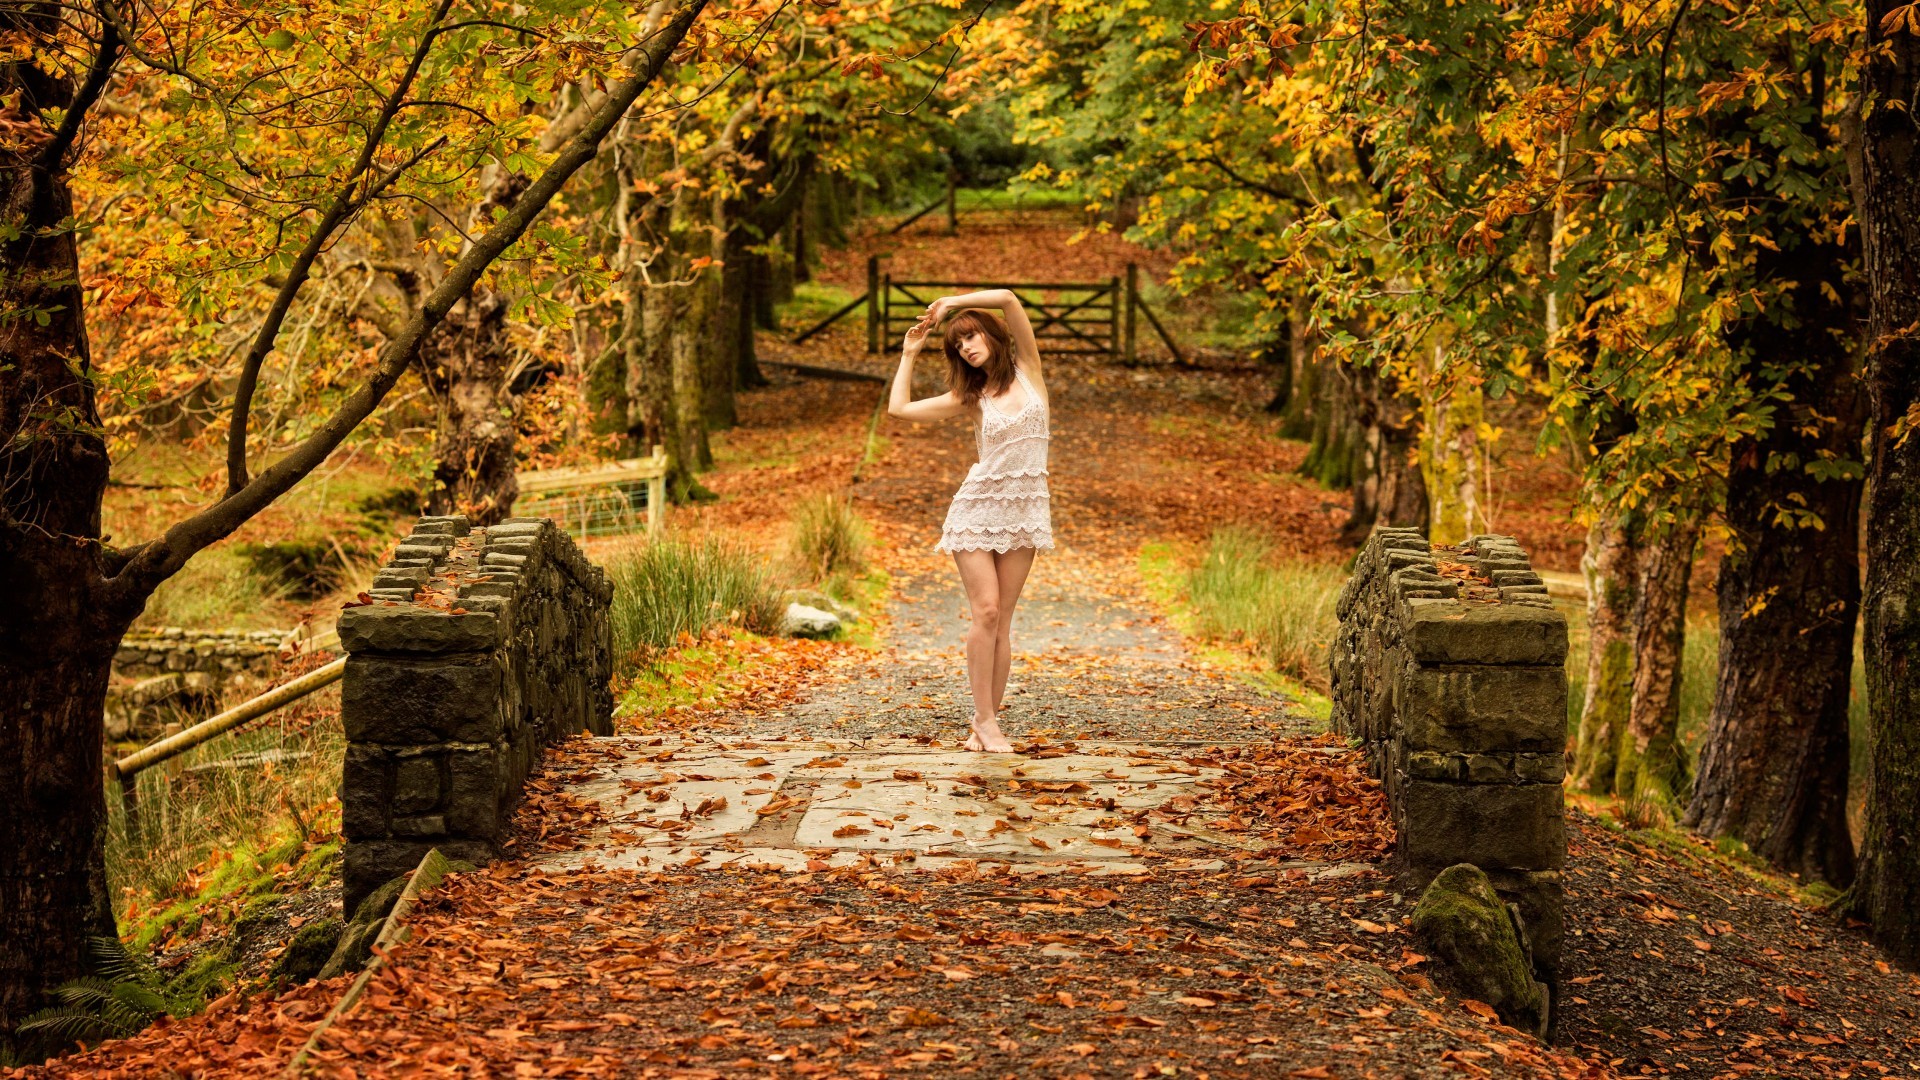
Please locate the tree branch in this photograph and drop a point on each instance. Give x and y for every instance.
(154, 562)
(344, 204)
(53, 155)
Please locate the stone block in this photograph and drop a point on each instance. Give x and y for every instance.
(1445, 632)
(1480, 709)
(478, 780)
(1493, 826)
(366, 865)
(412, 702)
(413, 629)
(1547, 768)
(420, 825)
(450, 524)
(1430, 765)
(401, 577)
(416, 784)
(366, 792)
(1489, 769)
(1541, 897)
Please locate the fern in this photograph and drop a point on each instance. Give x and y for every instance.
(127, 996)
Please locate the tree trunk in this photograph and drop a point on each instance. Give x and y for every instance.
(1330, 459)
(1773, 765)
(1275, 358)
(1649, 765)
(1304, 378)
(1450, 458)
(653, 414)
(1387, 485)
(1611, 565)
(58, 627)
(1886, 889)
(689, 346)
(466, 362)
(763, 292)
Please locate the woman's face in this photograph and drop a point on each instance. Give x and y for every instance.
(973, 346)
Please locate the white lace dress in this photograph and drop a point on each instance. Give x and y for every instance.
(1003, 504)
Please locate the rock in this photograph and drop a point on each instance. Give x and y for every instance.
(1477, 938)
(808, 622)
(355, 943)
(412, 629)
(309, 950)
(814, 598)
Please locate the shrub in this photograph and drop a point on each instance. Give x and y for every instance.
(1243, 589)
(829, 537)
(675, 585)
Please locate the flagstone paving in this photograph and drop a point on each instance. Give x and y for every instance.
(1105, 704)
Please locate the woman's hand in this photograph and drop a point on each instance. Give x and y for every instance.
(916, 338)
(937, 312)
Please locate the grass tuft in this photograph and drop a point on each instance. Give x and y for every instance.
(829, 538)
(676, 587)
(1242, 589)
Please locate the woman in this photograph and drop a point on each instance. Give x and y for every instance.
(1000, 516)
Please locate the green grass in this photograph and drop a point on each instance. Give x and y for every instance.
(1169, 573)
(1243, 589)
(675, 588)
(828, 538)
(217, 588)
(195, 827)
(813, 301)
(1020, 197)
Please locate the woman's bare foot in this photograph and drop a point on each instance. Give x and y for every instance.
(987, 737)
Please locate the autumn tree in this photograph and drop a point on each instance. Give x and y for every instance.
(346, 110)
(1580, 205)
(1886, 889)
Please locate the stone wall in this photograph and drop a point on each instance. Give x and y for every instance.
(480, 647)
(146, 653)
(1450, 665)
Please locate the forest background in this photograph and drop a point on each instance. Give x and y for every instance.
(1669, 247)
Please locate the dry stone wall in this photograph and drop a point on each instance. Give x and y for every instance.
(147, 653)
(480, 646)
(1450, 666)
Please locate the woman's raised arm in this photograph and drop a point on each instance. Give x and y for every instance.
(1026, 349)
(900, 401)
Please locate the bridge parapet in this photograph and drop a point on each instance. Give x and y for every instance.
(1450, 666)
(480, 646)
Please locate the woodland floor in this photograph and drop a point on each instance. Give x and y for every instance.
(1237, 928)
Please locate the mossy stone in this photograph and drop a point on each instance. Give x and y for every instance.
(1474, 934)
(312, 946)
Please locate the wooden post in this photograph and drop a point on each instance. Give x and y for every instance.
(657, 492)
(953, 213)
(886, 312)
(1113, 317)
(873, 303)
(1133, 290)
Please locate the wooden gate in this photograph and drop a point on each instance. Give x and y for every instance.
(1091, 319)
(1068, 317)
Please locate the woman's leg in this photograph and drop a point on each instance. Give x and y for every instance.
(1011, 568)
(982, 582)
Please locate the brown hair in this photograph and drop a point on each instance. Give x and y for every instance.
(996, 374)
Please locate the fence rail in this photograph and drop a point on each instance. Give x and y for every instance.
(599, 500)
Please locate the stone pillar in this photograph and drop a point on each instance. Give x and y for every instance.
(1450, 666)
(480, 646)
